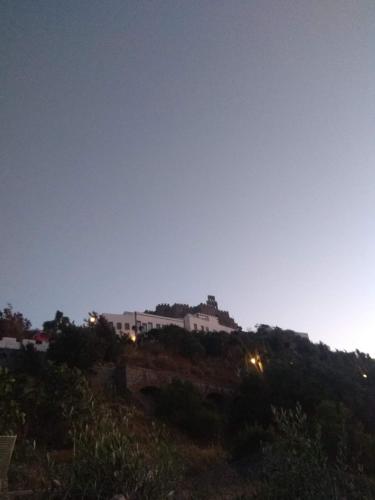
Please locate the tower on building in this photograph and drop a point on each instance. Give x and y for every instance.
(211, 301)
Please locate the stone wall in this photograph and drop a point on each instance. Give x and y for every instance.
(138, 378)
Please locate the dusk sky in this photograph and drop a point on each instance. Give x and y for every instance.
(159, 151)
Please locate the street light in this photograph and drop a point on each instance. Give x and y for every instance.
(93, 318)
(257, 362)
(133, 337)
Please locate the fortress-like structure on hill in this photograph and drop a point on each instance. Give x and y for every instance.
(203, 317)
(210, 308)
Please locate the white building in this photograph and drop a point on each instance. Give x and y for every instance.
(12, 343)
(130, 323)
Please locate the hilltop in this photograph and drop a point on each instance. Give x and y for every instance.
(224, 415)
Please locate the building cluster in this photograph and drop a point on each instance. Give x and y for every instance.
(12, 343)
(204, 317)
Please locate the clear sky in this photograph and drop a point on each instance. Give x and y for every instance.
(157, 151)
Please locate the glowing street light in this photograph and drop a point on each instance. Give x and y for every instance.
(133, 337)
(93, 318)
(257, 362)
(364, 375)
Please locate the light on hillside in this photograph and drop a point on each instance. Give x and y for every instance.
(257, 362)
(92, 318)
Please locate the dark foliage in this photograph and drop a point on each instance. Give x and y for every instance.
(180, 404)
(191, 344)
(57, 324)
(176, 339)
(296, 465)
(13, 324)
(83, 346)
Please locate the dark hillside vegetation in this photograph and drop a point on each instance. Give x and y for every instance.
(296, 419)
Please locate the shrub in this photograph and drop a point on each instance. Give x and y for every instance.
(177, 340)
(11, 416)
(13, 324)
(213, 343)
(296, 466)
(76, 346)
(54, 403)
(108, 460)
(250, 439)
(30, 362)
(252, 404)
(180, 404)
(83, 346)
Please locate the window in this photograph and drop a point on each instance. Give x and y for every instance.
(144, 327)
(127, 326)
(157, 326)
(149, 327)
(207, 330)
(195, 326)
(111, 323)
(202, 328)
(118, 326)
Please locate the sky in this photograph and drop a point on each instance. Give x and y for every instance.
(162, 150)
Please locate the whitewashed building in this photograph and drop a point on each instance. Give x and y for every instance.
(130, 323)
(12, 343)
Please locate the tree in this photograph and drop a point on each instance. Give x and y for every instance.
(76, 346)
(11, 416)
(181, 404)
(57, 324)
(84, 346)
(13, 324)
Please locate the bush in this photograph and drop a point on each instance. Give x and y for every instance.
(252, 404)
(82, 346)
(177, 340)
(13, 324)
(180, 404)
(108, 460)
(296, 466)
(250, 440)
(30, 362)
(214, 343)
(76, 346)
(54, 403)
(11, 416)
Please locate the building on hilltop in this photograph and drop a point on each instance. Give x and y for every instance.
(204, 317)
(210, 308)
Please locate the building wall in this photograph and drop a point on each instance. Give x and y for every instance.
(12, 343)
(204, 322)
(210, 308)
(125, 323)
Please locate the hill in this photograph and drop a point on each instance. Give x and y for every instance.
(265, 414)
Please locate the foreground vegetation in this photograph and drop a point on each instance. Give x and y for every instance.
(296, 422)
